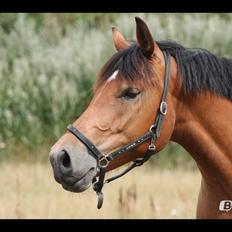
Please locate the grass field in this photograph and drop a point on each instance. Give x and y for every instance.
(28, 190)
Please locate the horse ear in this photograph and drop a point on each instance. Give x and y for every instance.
(120, 42)
(144, 38)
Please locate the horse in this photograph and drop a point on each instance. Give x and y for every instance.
(147, 94)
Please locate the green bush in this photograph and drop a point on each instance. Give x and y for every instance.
(49, 62)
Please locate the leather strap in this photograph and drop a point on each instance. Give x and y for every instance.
(137, 162)
(131, 145)
(163, 103)
(97, 154)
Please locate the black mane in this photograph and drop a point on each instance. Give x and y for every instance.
(131, 65)
(201, 70)
(198, 68)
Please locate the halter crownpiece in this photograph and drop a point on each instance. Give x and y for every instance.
(152, 134)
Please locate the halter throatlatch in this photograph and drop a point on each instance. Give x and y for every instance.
(152, 135)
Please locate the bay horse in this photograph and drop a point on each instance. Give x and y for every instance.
(147, 94)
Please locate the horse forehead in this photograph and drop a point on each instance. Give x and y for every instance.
(106, 89)
(113, 76)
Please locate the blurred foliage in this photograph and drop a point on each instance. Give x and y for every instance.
(49, 62)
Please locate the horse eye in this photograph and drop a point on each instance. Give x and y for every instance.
(130, 94)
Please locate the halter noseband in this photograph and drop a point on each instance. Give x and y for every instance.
(152, 134)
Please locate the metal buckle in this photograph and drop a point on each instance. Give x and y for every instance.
(163, 108)
(152, 146)
(103, 162)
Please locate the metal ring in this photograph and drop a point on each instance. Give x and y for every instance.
(103, 162)
(163, 108)
(152, 128)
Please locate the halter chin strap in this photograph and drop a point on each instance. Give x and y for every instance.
(152, 135)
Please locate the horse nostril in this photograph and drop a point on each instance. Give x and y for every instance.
(65, 159)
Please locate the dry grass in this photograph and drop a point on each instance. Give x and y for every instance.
(28, 190)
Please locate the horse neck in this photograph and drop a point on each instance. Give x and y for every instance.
(203, 128)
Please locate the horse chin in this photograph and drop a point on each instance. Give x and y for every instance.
(80, 185)
(77, 188)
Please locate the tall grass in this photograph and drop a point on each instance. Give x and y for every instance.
(144, 193)
(48, 63)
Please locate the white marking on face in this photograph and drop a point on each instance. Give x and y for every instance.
(113, 76)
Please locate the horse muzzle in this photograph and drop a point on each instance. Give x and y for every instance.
(74, 172)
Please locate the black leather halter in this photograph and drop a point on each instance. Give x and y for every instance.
(152, 135)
